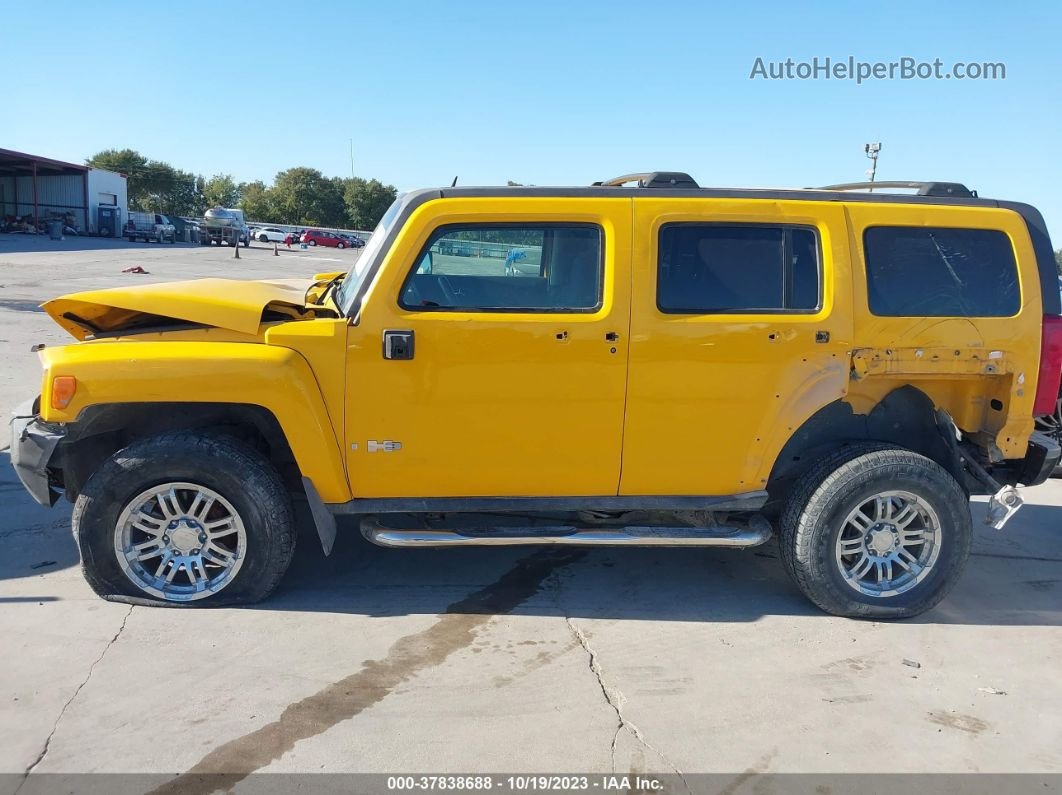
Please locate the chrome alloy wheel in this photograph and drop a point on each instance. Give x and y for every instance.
(888, 544)
(180, 541)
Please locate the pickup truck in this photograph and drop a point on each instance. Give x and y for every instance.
(149, 227)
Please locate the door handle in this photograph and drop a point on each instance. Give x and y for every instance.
(398, 344)
(612, 336)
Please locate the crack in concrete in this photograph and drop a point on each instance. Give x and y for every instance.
(615, 699)
(69, 701)
(409, 656)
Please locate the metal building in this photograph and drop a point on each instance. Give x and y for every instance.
(35, 190)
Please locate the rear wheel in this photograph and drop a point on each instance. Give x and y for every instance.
(312, 242)
(185, 519)
(876, 532)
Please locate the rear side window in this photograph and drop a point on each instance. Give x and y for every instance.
(940, 272)
(739, 268)
(508, 268)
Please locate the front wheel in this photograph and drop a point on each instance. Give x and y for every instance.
(340, 245)
(876, 532)
(185, 519)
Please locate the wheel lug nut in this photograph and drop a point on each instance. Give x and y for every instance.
(195, 551)
(202, 538)
(165, 539)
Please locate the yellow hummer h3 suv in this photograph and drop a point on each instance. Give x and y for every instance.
(639, 362)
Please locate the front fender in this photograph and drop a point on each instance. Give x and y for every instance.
(275, 378)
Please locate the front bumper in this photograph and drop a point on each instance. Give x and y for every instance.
(33, 443)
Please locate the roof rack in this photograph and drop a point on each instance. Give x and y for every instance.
(653, 179)
(954, 189)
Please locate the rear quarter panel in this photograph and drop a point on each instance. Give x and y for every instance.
(981, 370)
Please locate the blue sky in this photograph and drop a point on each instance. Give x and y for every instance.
(545, 92)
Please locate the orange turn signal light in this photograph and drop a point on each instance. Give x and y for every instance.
(63, 389)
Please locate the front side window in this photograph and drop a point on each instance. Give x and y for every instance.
(737, 268)
(917, 271)
(508, 268)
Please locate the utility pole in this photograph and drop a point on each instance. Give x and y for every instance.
(871, 151)
(352, 158)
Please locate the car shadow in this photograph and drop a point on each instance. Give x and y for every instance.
(1014, 577)
(34, 540)
(1004, 584)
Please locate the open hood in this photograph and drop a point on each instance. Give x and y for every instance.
(222, 303)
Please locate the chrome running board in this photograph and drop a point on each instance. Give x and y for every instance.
(756, 532)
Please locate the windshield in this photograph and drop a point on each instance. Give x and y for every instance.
(353, 281)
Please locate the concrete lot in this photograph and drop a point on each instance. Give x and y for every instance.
(500, 660)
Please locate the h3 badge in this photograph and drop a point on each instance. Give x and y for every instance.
(386, 446)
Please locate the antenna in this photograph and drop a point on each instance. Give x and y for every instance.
(454, 183)
(871, 151)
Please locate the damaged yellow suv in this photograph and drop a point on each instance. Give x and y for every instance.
(639, 362)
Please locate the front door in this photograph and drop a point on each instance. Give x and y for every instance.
(490, 358)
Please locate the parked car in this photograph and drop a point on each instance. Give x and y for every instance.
(671, 367)
(270, 234)
(181, 224)
(316, 237)
(353, 241)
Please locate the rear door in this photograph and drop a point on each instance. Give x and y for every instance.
(741, 321)
(490, 355)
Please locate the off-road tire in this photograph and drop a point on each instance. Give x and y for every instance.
(229, 467)
(822, 498)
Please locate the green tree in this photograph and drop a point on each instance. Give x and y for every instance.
(180, 193)
(367, 201)
(305, 197)
(256, 200)
(221, 191)
(1058, 260)
(153, 184)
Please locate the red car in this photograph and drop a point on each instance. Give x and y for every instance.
(314, 237)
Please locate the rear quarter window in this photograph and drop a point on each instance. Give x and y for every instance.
(940, 272)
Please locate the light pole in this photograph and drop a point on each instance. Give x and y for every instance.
(871, 151)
